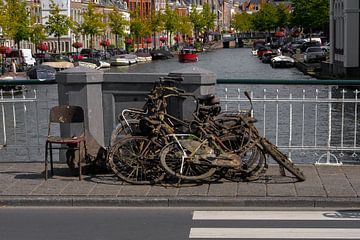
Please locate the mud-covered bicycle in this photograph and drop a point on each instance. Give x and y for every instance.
(150, 143)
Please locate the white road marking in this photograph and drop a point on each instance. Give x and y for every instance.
(276, 233)
(276, 215)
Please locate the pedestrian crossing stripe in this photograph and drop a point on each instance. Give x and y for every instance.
(277, 215)
(275, 233)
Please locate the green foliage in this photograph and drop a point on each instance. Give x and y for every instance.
(93, 23)
(117, 23)
(15, 20)
(57, 24)
(155, 23)
(136, 24)
(283, 15)
(197, 20)
(185, 26)
(208, 16)
(171, 20)
(310, 14)
(266, 19)
(37, 34)
(242, 22)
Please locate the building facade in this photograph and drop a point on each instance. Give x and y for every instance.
(345, 38)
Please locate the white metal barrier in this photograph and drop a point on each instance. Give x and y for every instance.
(23, 119)
(322, 122)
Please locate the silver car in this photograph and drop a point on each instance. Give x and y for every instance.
(314, 54)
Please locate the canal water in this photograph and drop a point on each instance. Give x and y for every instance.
(226, 63)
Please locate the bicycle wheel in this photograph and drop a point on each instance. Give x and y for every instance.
(122, 130)
(186, 161)
(253, 163)
(135, 160)
(282, 159)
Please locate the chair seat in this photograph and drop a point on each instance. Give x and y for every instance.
(62, 140)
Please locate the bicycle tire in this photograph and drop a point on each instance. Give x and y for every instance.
(171, 158)
(134, 159)
(282, 159)
(253, 164)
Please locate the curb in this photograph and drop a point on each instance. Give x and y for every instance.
(103, 201)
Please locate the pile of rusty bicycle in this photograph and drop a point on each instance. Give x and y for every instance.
(151, 146)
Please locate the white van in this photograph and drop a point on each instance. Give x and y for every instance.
(26, 55)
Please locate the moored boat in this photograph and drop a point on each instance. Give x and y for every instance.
(59, 65)
(282, 61)
(123, 60)
(92, 63)
(162, 53)
(188, 55)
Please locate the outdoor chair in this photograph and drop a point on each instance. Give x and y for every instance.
(65, 114)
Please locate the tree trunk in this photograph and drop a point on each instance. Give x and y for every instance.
(58, 37)
(91, 40)
(154, 34)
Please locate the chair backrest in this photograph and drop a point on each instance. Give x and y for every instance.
(66, 114)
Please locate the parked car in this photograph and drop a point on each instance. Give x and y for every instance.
(314, 54)
(326, 47)
(305, 45)
(90, 53)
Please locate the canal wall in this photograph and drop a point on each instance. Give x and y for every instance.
(105, 95)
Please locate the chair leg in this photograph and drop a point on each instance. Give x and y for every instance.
(80, 170)
(46, 160)
(51, 160)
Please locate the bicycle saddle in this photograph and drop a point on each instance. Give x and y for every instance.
(209, 99)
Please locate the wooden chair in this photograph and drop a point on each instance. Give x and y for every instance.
(65, 114)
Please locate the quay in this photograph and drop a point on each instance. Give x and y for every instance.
(23, 184)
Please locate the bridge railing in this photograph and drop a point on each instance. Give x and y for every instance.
(314, 121)
(24, 110)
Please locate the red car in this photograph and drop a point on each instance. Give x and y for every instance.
(262, 50)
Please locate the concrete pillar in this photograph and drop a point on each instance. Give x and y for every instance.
(198, 81)
(83, 87)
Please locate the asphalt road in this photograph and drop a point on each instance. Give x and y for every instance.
(175, 224)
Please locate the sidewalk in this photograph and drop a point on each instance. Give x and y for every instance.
(23, 184)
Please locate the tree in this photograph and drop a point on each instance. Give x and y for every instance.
(37, 34)
(136, 25)
(155, 24)
(208, 16)
(93, 24)
(16, 21)
(185, 26)
(57, 24)
(242, 22)
(197, 20)
(266, 19)
(171, 20)
(283, 15)
(117, 23)
(310, 14)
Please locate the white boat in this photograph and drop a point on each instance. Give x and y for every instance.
(143, 56)
(123, 60)
(92, 63)
(282, 61)
(59, 65)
